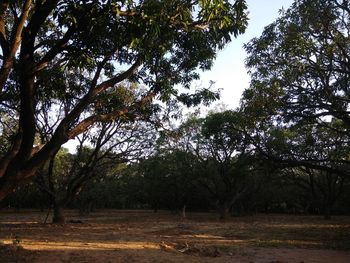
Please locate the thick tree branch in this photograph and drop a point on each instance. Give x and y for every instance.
(3, 37)
(5, 161)
(63, 132)
(127, 111)
(15, 43)
(55, 50)
(115, 80)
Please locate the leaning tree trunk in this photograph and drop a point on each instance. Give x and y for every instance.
(58, 215)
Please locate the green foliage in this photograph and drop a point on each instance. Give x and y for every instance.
(168, 36)
(298, 64)
(169, 179)
(298, 98)
(66, 65)
(224, 129)
(227, 169)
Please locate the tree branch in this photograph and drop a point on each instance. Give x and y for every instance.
(16, 41)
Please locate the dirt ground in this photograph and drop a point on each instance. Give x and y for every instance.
(144, 236)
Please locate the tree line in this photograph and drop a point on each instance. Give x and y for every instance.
(112, 83)
(205, 163)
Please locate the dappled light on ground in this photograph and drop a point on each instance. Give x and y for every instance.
(40, 245)
(144, 236)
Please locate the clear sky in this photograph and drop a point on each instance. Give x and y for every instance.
(229, 72)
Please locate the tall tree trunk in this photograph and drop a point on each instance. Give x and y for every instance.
(184, 211)
(58, 216)
(327, 210)
(327, 214)
(223, 210)
(6, 187)
(155, 207)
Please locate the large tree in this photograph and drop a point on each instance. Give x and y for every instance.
(319, 189)
(300, 64)
(299, 93)
(77, 52)
(227, 163)
(112, 144)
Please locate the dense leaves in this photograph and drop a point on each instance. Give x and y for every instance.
(299, 64)
(299, 90)
(76, 59)
(286, 149)
(299, 98)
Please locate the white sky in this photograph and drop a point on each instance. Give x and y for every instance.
(229, 72)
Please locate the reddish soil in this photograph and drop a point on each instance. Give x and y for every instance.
(143, 236)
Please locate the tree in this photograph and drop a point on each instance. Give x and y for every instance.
(77, 52)
(299, 94)
(170, 179)
(112, 144)
(226, 158)
(299, 65)
(316, 158)
(322, 188)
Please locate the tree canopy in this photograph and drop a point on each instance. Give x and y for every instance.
(299, 65)
(299, 92)
(103, 71)
(74, 58)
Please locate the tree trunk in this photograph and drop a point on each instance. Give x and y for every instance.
(5, 188)
(223, 210)
(155, 207)
(58, 216)
(184, 211)
(327, 213)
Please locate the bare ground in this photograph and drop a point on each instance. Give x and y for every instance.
(144, 236)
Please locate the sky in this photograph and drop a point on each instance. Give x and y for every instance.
(229, 72)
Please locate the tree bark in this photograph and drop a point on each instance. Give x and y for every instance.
(327, 214)
(327, 209)
(184, 211)
(223, 210)
(58, 215)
